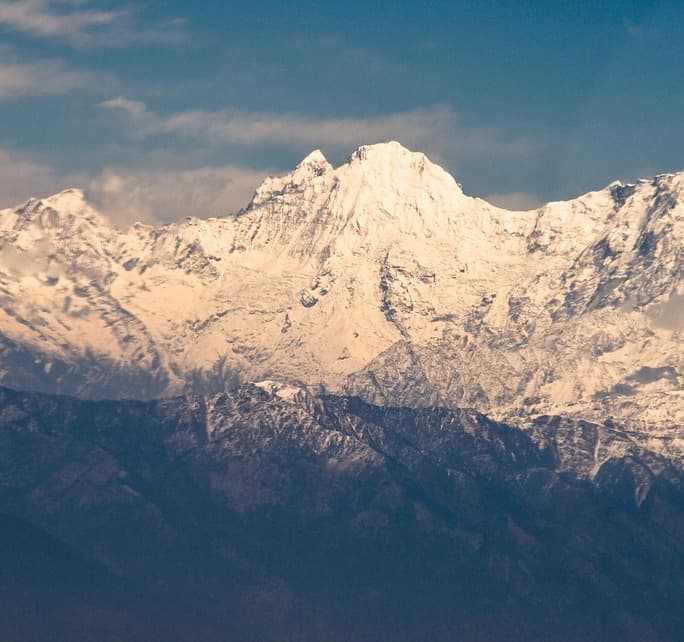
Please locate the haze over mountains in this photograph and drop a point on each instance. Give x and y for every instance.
(273, 515)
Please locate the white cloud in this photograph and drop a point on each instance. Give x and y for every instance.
(81, 24)
(39, 78)
(169, 195)
(125, 196)
(416, 127)
(669, 314)
(164, 191)
(39, 18)
(22, 178)
(516, 201)
(436, 130)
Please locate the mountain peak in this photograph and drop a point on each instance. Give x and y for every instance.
(71, 201)
(313, 165)
(315, 158)
(382, 151)
(66, 208)
(393, 162)
(389, 155)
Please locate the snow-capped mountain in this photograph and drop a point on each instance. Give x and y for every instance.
(272, 511)
(379, 278)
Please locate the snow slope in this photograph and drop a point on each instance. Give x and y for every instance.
(379, 278)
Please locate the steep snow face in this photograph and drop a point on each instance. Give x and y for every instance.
(379, 278)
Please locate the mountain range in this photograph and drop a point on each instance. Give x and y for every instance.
(259, 514)
(365, 407)
(379, 278)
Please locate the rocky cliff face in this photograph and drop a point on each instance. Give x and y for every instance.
(266, 513)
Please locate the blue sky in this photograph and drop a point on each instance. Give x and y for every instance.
(166, 109)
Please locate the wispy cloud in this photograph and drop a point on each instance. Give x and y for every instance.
(39, 78)
(434, 129)
(162, 190)
(516, 201)
(670, 313)
(152, 195)
(415, 127)
(81, 23)
(163, 195)
(43, 19)
(22, 177)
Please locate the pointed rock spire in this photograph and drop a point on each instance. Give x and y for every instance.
(317, 158)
